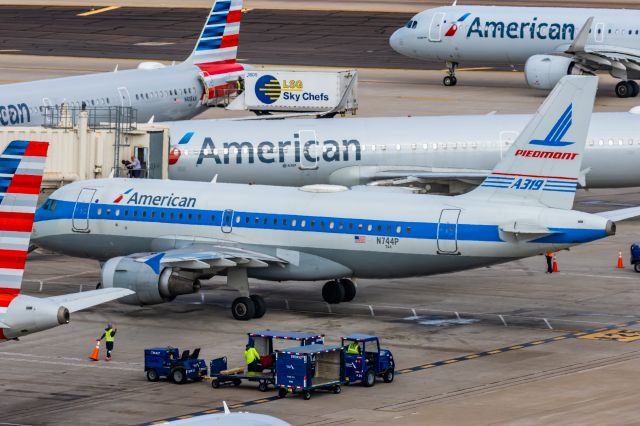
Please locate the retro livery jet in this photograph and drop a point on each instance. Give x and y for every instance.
(551, 42)
(163, 92)
(160, 238)
(443, 154)
(21, 168)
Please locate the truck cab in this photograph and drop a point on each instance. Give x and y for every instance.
(365, 360)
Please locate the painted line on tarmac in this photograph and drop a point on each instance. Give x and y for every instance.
(101, 10)
(415, 369)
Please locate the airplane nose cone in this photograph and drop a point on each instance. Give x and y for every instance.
(396, 42)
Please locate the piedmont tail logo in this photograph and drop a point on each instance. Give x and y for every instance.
(454, 27)
(559, 130)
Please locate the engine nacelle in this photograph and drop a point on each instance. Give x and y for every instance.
(150, 288)
(150, 66)
(26, 315)
(545, 71)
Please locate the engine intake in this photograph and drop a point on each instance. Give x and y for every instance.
(545, 71)
(150, 288)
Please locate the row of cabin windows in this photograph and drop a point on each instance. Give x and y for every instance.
(155, 94)
(464, 27)
(76, 104)
(257, 220)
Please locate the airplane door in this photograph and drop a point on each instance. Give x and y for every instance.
(448, 231)
(435, 29)
(227, 221)
(80, 218)
(125, 99)
(310, 150)
(599, 37)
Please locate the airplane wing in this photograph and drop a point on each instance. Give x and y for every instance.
(621, 214)
(86, 299)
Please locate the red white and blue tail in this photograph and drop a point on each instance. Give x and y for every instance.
(218, 42)
(21, 170)
(543, 165)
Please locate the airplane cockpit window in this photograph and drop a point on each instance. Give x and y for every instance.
(414, 25)
(409, 24)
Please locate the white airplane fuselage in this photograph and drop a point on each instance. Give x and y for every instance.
(360, 150)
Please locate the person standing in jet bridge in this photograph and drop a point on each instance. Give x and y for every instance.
(549, 256)
(109, 338)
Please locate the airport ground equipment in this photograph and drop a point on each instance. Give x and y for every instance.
(308, 368)
(635, 256)
(263, 341)
(167, 362)
(371, 362)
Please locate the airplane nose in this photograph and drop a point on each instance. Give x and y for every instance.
(395, 41)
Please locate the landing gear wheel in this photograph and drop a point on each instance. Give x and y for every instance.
(259, 305)
(349, 290)
(636, 267)
(152, 375)
(215, 383)
(243, 309)
(282, 392)
(333, 292)
(635, 89)
(369, 378)
(388, 375)
(449, 81)
(337, 389)
(306, 394)
(623, 89)
(178, 377)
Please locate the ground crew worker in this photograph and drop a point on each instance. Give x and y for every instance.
(353, 348)
(109, 337)
(252, 357)
(239, 85)
(549, 256)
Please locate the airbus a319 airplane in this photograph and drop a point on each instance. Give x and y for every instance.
(448, 154)
(551, 41)
(156, 91)
(21, 168)
(159, 238)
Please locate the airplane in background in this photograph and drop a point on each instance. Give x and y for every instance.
(227, 418)
(21, 168)
(156, 91)
(551, 41)
(160, 238)
(439, 154)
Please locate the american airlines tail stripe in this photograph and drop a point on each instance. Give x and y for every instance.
(21, 184)
(6, 298)
(12, 259)
(221, 6)
(265, 221)
(18, 222)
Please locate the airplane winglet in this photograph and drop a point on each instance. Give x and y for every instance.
(226, 408)
(580, 41)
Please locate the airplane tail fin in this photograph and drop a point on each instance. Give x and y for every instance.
(218, 41)
(543, 165)
(21, 170)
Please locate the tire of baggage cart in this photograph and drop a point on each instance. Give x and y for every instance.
(388, 375)
(263, 386)
(215, 383)
(636, 267)
(178, 376)
(306, 394)
(282, 392)
(337, 389)
(236, 382)
(369, 378)
(152, 375)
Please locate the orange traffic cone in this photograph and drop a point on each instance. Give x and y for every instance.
(96, 352)
(555, 264)
(620, 264)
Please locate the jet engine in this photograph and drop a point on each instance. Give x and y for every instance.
(27, 314)
(545, 71)
(150, 288)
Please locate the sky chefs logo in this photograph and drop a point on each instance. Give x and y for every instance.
(268, 89)
(155, 200)
(559, 130)
(532, 29)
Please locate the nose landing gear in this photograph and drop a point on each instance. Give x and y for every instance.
(450, 79)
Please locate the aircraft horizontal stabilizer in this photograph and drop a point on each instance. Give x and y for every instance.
(86, 299)
(621, 214)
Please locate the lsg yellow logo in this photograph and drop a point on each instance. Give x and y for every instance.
(292, 85)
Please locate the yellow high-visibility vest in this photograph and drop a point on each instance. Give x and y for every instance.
(108, 337)
(251, 355)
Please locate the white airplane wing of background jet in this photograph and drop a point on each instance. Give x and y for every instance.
(622, 214)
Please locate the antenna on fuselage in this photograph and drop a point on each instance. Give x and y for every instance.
(215, 179)
(455, 3)
(116, 68)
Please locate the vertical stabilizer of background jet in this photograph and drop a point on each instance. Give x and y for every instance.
(543, 165)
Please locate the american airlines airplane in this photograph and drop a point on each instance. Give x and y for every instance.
(156, 91)
(448, 154)
(159, 238)
(21, 169)
(551, 42)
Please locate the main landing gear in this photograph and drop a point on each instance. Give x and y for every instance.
(627, 89)
(342, 290)
(246, 306)
(450, 79)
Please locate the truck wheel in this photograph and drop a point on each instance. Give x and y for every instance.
(243, 309)
(388, 375)
(152, 375)
(262, 387)
(259, 305)
(215, 383)
(636, 267)
(282, 392)
(178, 377)
(349, 289)
(337, 389)
(306, 394)
(369, 378)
